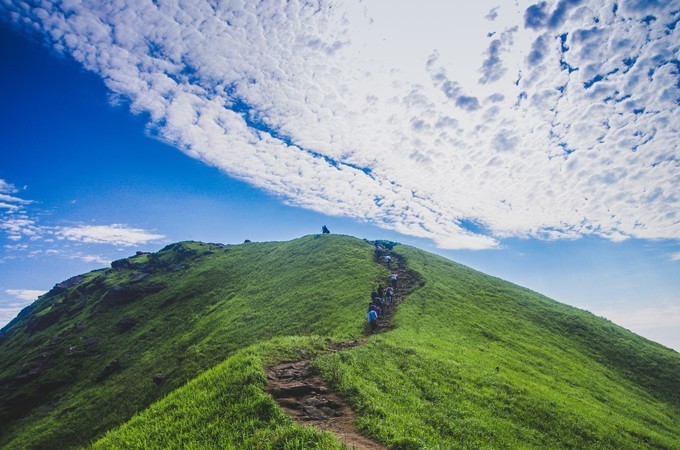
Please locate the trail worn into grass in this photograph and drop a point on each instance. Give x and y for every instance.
(303, 395)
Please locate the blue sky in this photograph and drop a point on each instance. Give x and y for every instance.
(527, 153)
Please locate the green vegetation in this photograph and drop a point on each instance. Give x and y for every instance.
(199, 304)
(226, 408)
(473, 362)
(479, 362)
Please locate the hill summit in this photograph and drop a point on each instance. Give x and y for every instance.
(172, 349)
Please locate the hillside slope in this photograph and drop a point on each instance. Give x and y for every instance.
(475, 361)
(85, 356)
(472, 361)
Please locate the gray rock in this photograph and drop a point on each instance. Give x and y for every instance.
(330, 412)
(126, 323)
(111, 368)
(314, 401)
(122, 264)
(70, 282)
(314, 413)
(138, 277)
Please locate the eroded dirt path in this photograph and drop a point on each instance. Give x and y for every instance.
(309, 400)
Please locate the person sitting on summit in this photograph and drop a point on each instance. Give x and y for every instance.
(325, 230)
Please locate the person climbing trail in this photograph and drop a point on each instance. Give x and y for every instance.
(389, 295)
(379, 249)
(385, 297)
(373, 320)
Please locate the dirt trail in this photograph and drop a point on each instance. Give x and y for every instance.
(306, 397)
(406, 280)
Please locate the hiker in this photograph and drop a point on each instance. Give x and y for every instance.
(325, 230)
(380, 290)
(393, 280)
(378, 250)
(380, 301)
(374, 295)
(389, 295)
(373, 320)
(388, 260)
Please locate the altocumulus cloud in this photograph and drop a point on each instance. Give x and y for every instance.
(571, 131)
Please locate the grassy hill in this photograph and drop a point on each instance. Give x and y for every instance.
(472, 362)
(83, 358)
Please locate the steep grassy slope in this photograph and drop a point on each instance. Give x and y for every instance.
(227, 408)
(479, 362)
(83, 358)
(473, 362)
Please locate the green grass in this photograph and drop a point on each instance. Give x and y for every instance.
(226, 407)
(476, 362)
(473, 361)
(217, 300)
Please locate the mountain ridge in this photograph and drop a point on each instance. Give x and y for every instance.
(201, 305)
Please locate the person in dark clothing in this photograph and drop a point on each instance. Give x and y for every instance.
(378, 250)
(325, 230)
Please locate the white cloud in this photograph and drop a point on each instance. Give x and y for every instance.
(8, 201)
(659, 323)
(91, 258)
(115, 234)
(7, 187)
(25, 294)
(21, 298)
(9, 311)
(675, 256)
(19, 225)
(15, 222)
(333, 107)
